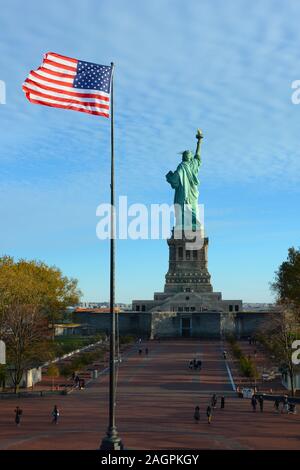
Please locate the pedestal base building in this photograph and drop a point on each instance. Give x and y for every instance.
(188, 306)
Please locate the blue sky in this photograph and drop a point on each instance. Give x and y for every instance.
(226, 67)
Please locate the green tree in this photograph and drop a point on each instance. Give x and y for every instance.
(287, 281)
(278, 335)
(66, 370)
(247, 367)
(284, 328)
(31, 294)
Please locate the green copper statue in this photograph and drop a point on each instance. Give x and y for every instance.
(185, 182)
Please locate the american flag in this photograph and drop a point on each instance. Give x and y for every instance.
(68, 83)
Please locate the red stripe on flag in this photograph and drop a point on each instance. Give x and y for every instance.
(66, 107)
(71, 93)
(66, 100)
(51, 80)
(62, 66)
(56, 74)
(63, 57)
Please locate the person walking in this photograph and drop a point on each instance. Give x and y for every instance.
(81, 384)
(197, 414)
(292, 408)
(77, 380)
(55, 414)
(253, 402)
(276, 405)
(261, 403)
(209, 414)
(214, 400)
(18, 413)
(222, 403)
(285, 404)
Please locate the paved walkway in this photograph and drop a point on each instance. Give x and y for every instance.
(156, 398)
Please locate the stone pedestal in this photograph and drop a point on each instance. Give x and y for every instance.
(187, 267)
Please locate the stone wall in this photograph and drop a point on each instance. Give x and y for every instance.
(248, 323)
(130, 323)
(153, 324)
(203, 325)
(168, 324)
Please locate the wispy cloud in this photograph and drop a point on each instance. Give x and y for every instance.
(225, 68)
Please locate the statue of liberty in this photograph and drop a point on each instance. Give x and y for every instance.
(185, 182)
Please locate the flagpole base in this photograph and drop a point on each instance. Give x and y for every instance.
(112, 442)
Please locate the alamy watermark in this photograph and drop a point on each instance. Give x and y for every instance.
(296, 353)
(156, 221)
(296, 94)
(2, 92)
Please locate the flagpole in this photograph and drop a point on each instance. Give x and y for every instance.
(112, 441)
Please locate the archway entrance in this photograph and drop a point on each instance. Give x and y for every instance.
(186, 327)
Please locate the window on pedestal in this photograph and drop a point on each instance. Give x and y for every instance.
(195, 254)
(143, 308)
(236, 308)
(172, 253)
(188, 255)
(180, 253)
(230, 308)
(180, 309)
(137, 308)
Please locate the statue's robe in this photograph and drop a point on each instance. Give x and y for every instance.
(185, 182)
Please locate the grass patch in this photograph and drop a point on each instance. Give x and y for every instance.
(66, 344)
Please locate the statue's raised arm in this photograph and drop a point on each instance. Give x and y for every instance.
(199, 137)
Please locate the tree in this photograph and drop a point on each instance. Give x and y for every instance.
(278, 336)
(287, 281)
(285, 325)
(31, 293)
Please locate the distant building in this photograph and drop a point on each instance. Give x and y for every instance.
(68, 329)
(97, 310)
(101, 305)
(258, 307)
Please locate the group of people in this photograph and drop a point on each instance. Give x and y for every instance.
(195, 364)
(19, 413)
(254, 401)
(141, 349)
(252, 340)
(209, 410)
(286, 406)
